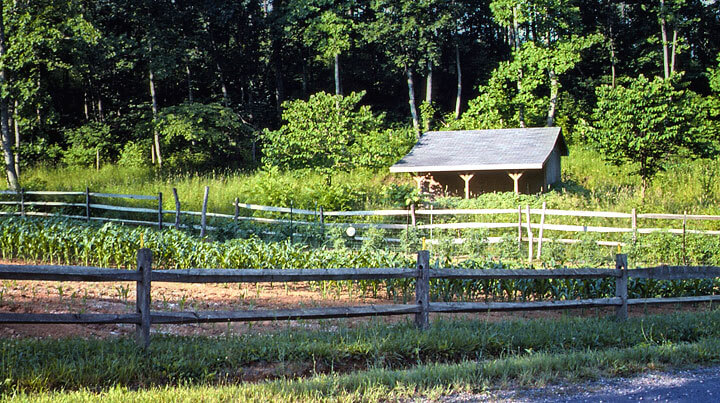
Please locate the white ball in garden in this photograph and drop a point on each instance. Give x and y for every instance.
(350, 231)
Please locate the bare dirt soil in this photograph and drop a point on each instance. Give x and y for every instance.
(83, 297)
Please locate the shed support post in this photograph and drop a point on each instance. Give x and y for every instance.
(419, 180)
(515, 176)
(467, 178)
(621, 286)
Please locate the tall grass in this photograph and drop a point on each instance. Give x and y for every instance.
(588, 183)
(304, 188)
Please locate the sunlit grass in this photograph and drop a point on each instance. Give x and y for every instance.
(397, 361)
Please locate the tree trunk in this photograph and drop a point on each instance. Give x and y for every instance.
(16, 126)
(554, 87)
(12, 177)
(674, 47)
(223, 87)
(189, 83)
(85, 106)
(279, 79)
(663, 31)
(458, 98)
(612, 62)
(156, 137)
(411, 100)
(338, 83)
(101, 115)
(516, 35)
(428, 83)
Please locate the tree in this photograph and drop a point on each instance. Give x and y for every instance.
(328, 31)
(35, 41)
(12, 178)
(201, 137)
(646, 123)
(329, 133)
(524, 91)
(410, 33)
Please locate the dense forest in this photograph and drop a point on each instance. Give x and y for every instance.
(218, 84)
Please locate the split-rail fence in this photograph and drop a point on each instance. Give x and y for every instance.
(144, 276)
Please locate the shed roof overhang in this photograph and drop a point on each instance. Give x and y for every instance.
(483, 150)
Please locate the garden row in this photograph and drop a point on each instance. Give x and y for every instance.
(109, 245)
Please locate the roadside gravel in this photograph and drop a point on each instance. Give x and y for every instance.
(692, 385)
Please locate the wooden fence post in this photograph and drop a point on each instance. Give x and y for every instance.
(177, 209)
(203, 218)
(322, 224)
(292, 230)
(540, 235)
(530, 234)
(144, 267)
(634, 225)
(422, 290)
(621, 286)
(431, 221)
(237, 209)
(519, 227)
(160, 211)
(87, 203)
(22, 201)
(684, 244)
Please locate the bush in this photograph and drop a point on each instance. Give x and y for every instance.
(374, 239)
(88, 140)
(39, 152)
(134, 155)
(202, 137)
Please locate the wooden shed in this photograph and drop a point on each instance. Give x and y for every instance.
(471, 162)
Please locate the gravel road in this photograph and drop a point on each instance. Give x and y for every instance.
(695, 385)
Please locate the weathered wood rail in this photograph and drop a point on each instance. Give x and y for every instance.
(144, 276)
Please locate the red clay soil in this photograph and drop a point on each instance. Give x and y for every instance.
(85, 297)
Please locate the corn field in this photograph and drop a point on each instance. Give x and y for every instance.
(61, 241)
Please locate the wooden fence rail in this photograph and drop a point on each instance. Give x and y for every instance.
(144, 276)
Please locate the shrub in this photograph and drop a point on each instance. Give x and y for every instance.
(88, 140)
(134, 155)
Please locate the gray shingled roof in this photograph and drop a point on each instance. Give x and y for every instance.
(482, 150)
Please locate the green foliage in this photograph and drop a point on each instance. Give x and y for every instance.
(374, 239)
(395, 195)
(39, 152)
(475, 245)
(134, 154)
(331, 133)
(519, 91)
(645, 123)
(86, 141)
(587, 253)
(197, 137)
(329, 34)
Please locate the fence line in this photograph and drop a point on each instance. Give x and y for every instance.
(144, 276)
(523, 225)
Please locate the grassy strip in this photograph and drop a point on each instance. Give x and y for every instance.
(41, 365)
(430, 380)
